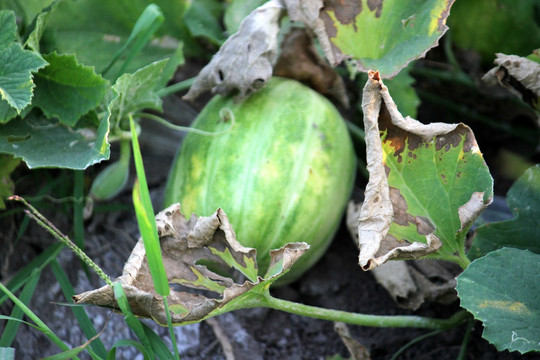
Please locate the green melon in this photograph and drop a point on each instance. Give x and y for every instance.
(283, 174)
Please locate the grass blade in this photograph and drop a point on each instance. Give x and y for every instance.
(37, 264)
(143, 30)
(80, 314)
(40, 324)
(159, 347)
(11, 328)
(146, 220)
(126, 342)
(134, 324)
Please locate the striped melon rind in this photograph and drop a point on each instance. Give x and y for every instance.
(283, 174)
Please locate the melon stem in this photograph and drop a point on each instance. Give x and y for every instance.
(386, 321)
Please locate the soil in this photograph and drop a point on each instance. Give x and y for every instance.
(334, 282)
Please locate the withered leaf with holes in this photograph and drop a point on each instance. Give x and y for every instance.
(427, 184)
(190, 249)
(518, 74)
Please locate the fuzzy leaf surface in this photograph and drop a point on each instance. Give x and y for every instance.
(427, 184)
(523, 231)
(502, 289)
(68, 90)
(196, 254)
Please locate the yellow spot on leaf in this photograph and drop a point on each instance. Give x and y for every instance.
(509, 306)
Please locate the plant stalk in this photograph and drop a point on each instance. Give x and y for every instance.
(387, 321)
(179, 86)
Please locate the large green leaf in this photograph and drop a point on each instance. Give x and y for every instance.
(68, 90)
(496, 26)
(521, 232)
(384, 35)
(47, 143)
(96, 29)
(16, 67)
(502, 289)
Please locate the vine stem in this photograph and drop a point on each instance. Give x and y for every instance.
(386, 321)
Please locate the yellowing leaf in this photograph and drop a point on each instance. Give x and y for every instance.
(427, 184)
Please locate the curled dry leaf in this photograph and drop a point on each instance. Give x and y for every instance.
(414, 282)
(427, 184)
(518, 74)
(190, 249)
(244, 62)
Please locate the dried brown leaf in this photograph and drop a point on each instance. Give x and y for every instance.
(244, 62)
(518, 74)
(300, 60)
(187, 247)
(357, 350)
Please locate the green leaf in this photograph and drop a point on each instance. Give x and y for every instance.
(112, 180)
(8, 28)
(96, 30)
(26, 9)
(502, 290)
(6, 112)
(403, 93)
(37, 28)
(201, 22)
(47, 143)
(512, 27)
(7, 165)
(136, 92)
(236, 11)
(16, 67)
(385, 35)
(430, 181)
(68, 90)
(523, 231)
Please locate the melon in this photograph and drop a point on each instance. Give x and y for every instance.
(283, 173)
